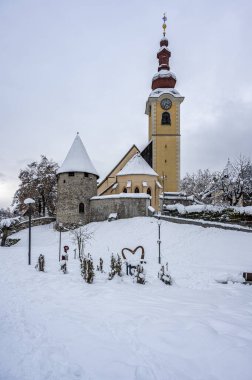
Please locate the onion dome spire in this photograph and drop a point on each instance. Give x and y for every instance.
(164, 77)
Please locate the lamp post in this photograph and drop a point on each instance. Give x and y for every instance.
(159, 239)
(60, 230)
(29, 202)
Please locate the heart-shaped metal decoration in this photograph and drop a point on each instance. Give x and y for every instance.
(133, 251)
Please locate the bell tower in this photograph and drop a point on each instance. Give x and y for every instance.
(163, 110)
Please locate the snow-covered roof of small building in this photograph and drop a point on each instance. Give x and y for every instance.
(77, 159)
(137, 165)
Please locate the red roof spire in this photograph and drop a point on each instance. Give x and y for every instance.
(164, 78)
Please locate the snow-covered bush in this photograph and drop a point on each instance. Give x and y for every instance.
(100, 266)
(87, 269)
(226, 278)
(6, 226)
(115, 267)
(164, 275)
(211, 212)
(139, 275)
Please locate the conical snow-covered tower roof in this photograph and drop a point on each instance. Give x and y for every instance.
(137, 165)
(77, 159)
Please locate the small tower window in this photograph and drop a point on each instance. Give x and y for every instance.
(136, 190)
(81, 208)
(85, 174)
(149, 191)
(124, 190)
(71, 174)
(166, 118)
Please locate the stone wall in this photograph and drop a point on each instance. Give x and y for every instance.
(205, 224)
(34, 223)
(125, 205)
(73, 190)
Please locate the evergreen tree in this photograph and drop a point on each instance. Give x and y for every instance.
(115, 266)
(87, 269)
(100, 266)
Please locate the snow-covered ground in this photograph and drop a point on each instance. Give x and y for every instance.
(57, 327)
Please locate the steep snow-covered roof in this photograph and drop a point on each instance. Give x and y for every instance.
(137, 165)
(77, 159)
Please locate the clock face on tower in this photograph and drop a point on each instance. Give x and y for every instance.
(166, 104)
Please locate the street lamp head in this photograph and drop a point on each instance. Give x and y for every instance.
(29, 201)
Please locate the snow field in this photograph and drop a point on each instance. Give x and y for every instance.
(55, 326)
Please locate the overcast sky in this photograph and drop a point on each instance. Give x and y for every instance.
(78, 65)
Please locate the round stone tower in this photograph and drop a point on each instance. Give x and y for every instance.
(76, 185)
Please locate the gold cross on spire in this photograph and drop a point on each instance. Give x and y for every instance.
(164, 24)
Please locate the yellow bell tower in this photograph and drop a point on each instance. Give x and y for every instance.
(163, 110)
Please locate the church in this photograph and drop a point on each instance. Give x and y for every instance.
(140, 177)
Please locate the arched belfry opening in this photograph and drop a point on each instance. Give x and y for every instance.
(166, 118)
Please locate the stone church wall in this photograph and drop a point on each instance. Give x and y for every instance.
(125, 205)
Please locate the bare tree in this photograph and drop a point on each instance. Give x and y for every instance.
(232, 186)
(80, 237)
(236, 181)
(200, 184)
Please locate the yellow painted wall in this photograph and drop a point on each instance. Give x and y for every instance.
(137, 181)
(166, 142)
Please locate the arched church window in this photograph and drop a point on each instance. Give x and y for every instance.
(81, 208)
(166, 118)
(149, 191)
(124, 190)
(136, 190)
